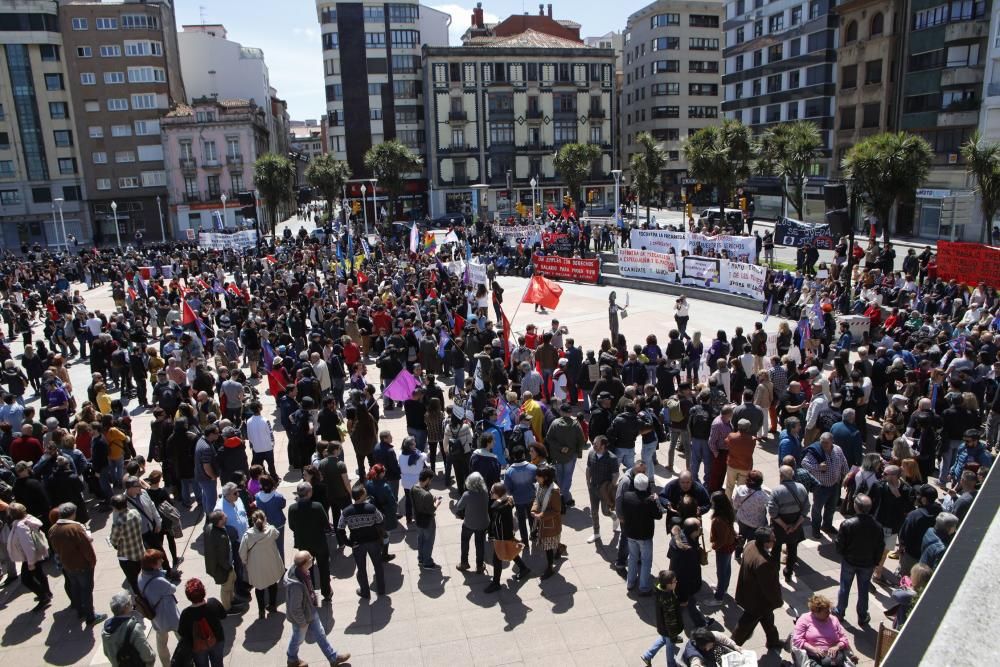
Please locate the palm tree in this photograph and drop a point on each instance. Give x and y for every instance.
(273, 176)
(720, 155)
(574, 162)
(884, 168)
(787, 151)
(328, 175)
(646, 167)
(390, 161)
(982, 161)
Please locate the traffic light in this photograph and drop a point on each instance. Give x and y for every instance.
(521, 210)
(697, 187)
(743, 204)
(356, 207)
(689, 211)
(567, 201)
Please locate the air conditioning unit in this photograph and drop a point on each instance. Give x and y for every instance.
(952, 158)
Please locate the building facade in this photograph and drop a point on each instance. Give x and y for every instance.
(868, 58)
(41, 182)
(209, 148)
(781, 66)
(374, 80)
(501, 109)
(124, 74)
(942, 87)
(673, 79)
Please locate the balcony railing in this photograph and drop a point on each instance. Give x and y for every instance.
(457, 116)
(211, 162)
(189, 164)
(533, 114)
(234, 159)
(596, 113)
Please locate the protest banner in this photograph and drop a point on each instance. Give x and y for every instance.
(795, 233)
(568, 268)
(701, 271)
(744, 278)
(558, 242)
(242, 240)
(477, 273)
(528, 235)
(647, 264)
(738, 248)
(970, 263)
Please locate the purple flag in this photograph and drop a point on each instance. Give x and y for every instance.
(402, 386)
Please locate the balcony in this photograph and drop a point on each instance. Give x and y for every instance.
(959, 76)
(957, 115)
(962, 30)
(189, 165)
(211, 163)
(534, 114)
(190, 197)
(457, 117)
(537, 147)
(457, 148)
(993, 90)
(460, 180)
(596, 113)
(234, 160)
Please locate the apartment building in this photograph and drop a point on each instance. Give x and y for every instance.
(673, 79)
(500, 107)
(124, 74)
(41, 183)
(374, 81)
(209, 147)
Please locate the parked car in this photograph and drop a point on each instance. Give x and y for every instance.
(734, 217)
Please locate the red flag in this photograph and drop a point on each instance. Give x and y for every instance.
(506, 338)
(271, 259)
(146, 272)
(157, 288)
(202, 284)
(543, 292)
(234, 290)
(362, 277)
(187, 314)
(459, 325)
(131, 294)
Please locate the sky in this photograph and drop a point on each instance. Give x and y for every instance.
(288, 31)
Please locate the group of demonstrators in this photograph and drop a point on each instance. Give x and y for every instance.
(895, 436)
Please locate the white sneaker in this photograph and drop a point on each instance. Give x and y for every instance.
(593, 538)
(616, 526)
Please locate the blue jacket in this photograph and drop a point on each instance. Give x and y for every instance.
(965, 455)
(789, 444)
(389, 458)
(273, 506)
(848, 438)
(520, 482)
(932, 548)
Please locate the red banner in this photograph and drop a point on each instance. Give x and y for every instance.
(568, 268)
(970, 263)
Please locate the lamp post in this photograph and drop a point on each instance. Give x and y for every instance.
(534, 200)
(62, 221)
(223, 198)
(617, 173)
(163, 231)
(510, 195)
(374, 182)
(55, 227)
(114, 212)
(364, 205)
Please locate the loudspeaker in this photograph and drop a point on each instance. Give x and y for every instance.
(839, 221)
(835, 196)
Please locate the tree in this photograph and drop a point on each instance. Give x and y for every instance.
(982, 161)
(787, 151)
(884, 168)
(328, 175)
(646, 167)
(720, 155)
(574, 162)
(273, 176)
(390, 161)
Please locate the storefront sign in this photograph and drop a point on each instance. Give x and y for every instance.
(933, 193)
(794, 233)
(568, 268)
(971, 263)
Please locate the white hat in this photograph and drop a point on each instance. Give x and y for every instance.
(640, 482)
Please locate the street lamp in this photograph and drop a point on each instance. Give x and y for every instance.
(374, 182)
(159, 208)
(223, 198)
(510, 195)
(55, 227)
(62, 221)
(617, 173)
(364, 205)
(114, 212)
(534, 200)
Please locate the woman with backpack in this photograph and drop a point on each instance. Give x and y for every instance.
(158, 594)
(458, 438)
(27, 545)
(200, 627)
(263, 563)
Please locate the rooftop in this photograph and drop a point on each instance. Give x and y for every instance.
(528, 39)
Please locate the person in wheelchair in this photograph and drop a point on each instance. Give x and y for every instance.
(705, 648)
(819, 640)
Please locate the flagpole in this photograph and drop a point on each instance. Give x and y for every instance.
(519, 302)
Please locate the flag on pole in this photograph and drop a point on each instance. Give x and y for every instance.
(267, 354)
(445, 339)
(504, 417)
(447, 314)
(270, 259)
(350, 246)
(217, 288)
(544, 292)
(467, 274)
(414, 238)
(450, 237)
(190, 320)
(430, 245)
(402, 386)
(770, 302)
(505, 337)
(202, 284)
(806, 332)
(365, 249)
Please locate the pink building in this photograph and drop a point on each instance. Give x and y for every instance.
(209, 149)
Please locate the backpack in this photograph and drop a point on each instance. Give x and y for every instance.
(826, 420)
(127, 654)
(169, 400)
(674, 407)
(203, 638)
(515, 442)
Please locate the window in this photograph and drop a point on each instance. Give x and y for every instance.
(87, 79)
(927, 60)
(663, 20)
(665, 43)
(49, 52)
(928, 18)
(755, 116)
(870, 114)
(137, 21)
(773, 113)
(107, 23)
(95, 131)
(738, 91)
(405, 89)
(962, 56)
(6, 168)
(877, 25)
(411, 138)
(814, 9)
(405, 38)
(99, 157)
(91, 105)
(128, 182)
(204, 116)
(666, 66)
(111, 51)
(739, 63)
(372, 14)
(53, 82)
(666, 112)
(873, 71)
(121, 130)
(79, 24)
(375, 89)
(667, 134)
(703, 43)
(232, 147)
(10, 197)
(959, 100)
(236, 178)
(966, 10)
(792, 111)
(84, 52)
(504, 103)
(103, 184)
(399, 13)
(776, 22)
(502, 133)
(375, 40)
(58, 110)
(564, 102)
(209, 151)
(774, 84)
(331, 40)
(596, 135)
(143, 47)
(114, 77)
(63, 138)
(213, 187)
(565, 131)
(758, 58)
(67, 165)
(817, 106)
(72, 193)
(740, 36)
(147, 75)
(703, 112)
(755, 89)
(849, 77)
(405, 64)
(153, 179)
(758, 28)
(774, 53)
(703, 89)
(117, 104)
(150, 153)
(661, 89)
(703, 67)
(703, 21)
(796, 16)
(123, 157)
(144, 101)
(794, 47)
(375, 114)
(457, 138)
(851, 33)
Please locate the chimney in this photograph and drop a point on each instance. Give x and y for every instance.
(550, 10)
(541, 10)
(477, 16)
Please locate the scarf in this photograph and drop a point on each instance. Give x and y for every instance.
(543, 495)
(306, 579)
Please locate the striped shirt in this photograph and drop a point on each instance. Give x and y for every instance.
(126, 535)
(779, 378)
(717, 436)
(836, 466)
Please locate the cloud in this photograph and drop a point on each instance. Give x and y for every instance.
(461, 17)
(309, 33)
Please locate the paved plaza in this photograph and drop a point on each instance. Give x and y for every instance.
(580, 616)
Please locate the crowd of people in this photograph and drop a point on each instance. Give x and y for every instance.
(893, 432)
